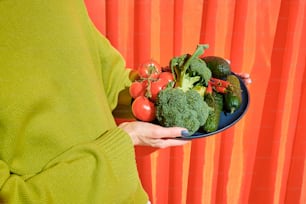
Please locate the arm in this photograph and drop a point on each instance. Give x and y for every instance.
(86, 173)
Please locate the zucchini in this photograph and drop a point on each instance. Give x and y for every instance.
(215, 101)
(233, 98)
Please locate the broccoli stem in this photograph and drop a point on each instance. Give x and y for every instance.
(180, 65)
(198, 52)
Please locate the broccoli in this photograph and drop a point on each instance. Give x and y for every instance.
(189, 70)
(174, 107)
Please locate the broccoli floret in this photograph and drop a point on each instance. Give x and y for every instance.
(174, 107)
(197, 103)
(190, 70)
(198, 67)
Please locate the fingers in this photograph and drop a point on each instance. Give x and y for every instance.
(148, 134)
(168, 132)
(161, 137)
(245, 77)
(247, 81)
(164, 143)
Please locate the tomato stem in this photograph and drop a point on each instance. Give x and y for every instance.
(148, 89)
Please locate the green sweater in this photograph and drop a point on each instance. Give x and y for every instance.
(59, 82)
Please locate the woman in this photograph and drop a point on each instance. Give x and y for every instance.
(60, 81)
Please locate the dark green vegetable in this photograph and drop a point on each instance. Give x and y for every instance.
(215, 101)
(233, 98)
(218, 66)
(174, 107)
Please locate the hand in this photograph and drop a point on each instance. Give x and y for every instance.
(245, 78)
(148, 134)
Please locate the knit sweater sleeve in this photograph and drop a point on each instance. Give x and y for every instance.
(115, 74)
(95, 165)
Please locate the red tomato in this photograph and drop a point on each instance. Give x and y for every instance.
(138, 88)
(167, 76)
(149, 69)
(159, 84)
(143, 109)
(156, 87)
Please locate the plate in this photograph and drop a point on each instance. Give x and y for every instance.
(227, 120)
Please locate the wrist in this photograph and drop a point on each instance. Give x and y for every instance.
(125, 126)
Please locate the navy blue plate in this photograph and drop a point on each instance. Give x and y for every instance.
(227, 120)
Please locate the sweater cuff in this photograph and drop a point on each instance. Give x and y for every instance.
(116, 141)
(118, 147)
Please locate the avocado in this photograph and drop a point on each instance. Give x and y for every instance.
(218, 66)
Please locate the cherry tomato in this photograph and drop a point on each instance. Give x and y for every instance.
(167, 76)
(143, 109)
(149, 69)
(156, 87)
(138, 88)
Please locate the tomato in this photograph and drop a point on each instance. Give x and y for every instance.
(156, 87)
(143, 109)
(167, 76)
(149, 69)
(138, 88)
